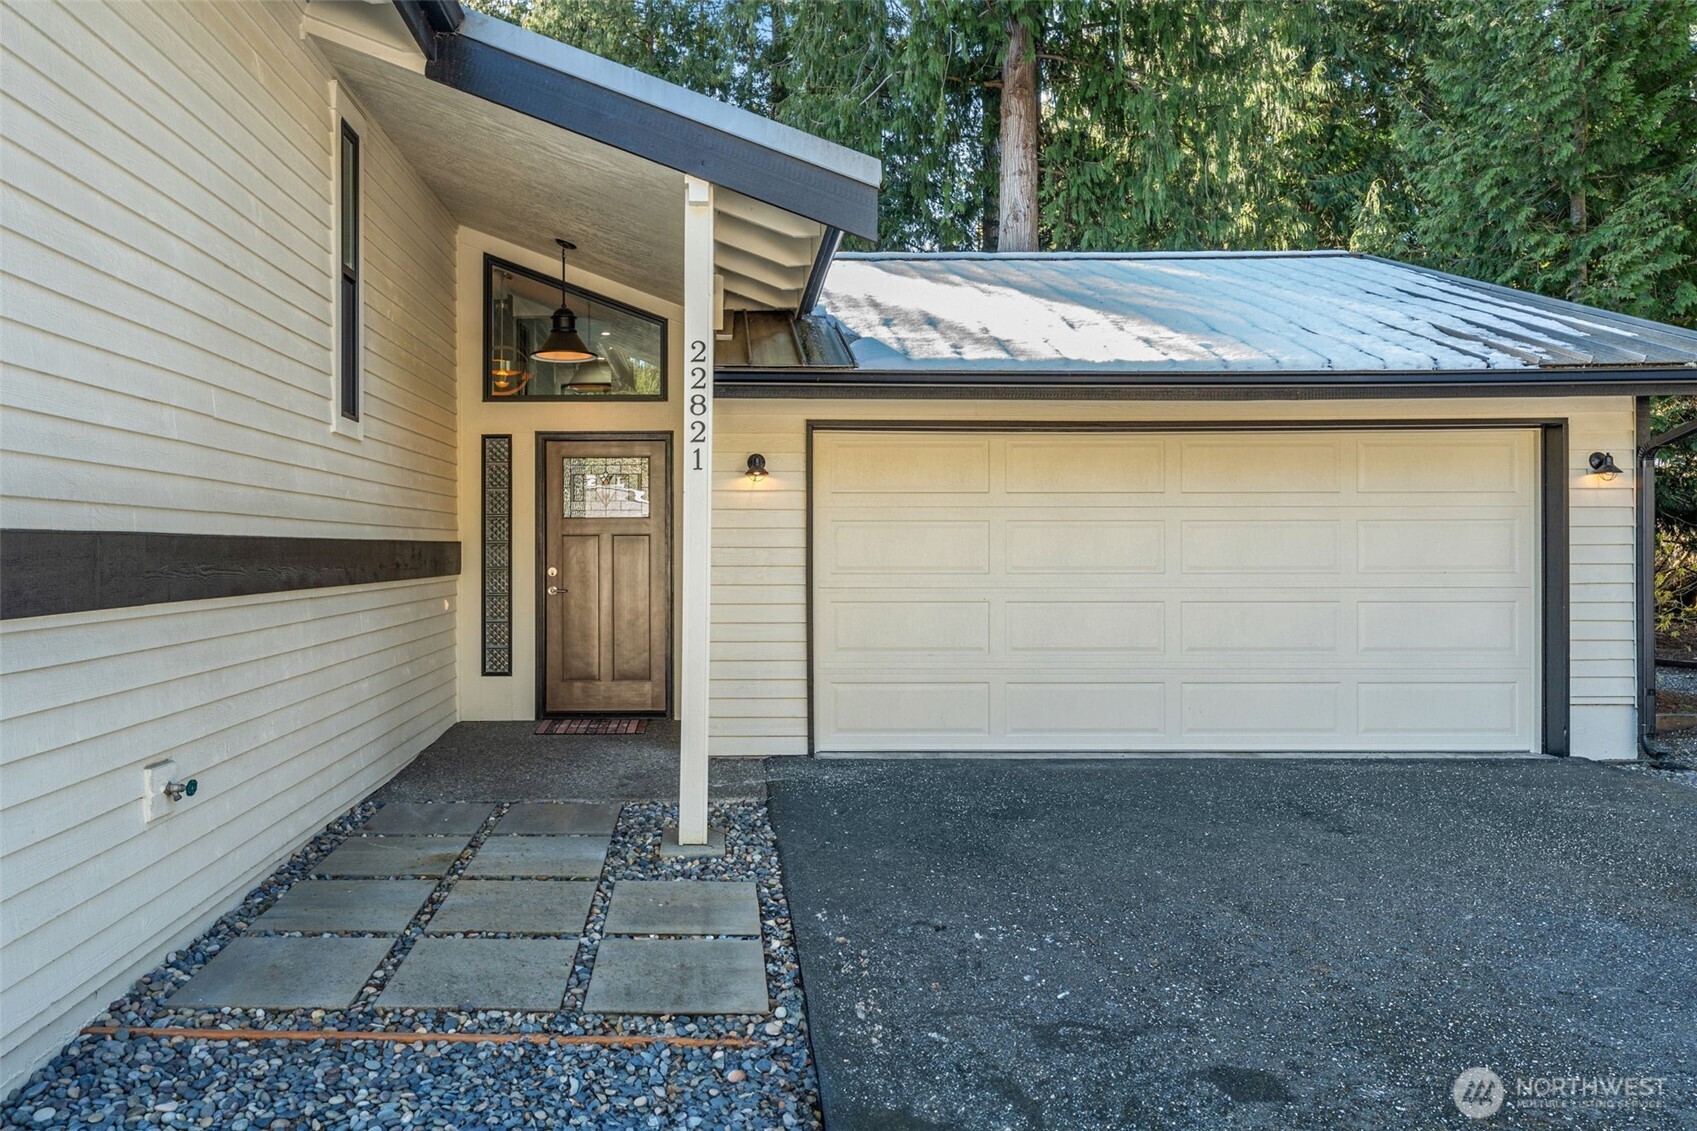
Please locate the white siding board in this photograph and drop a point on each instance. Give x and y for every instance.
(225, 669)
(239, 791)
(203, 205)
(167, 307)
(160, 885)
(65, 194)
(169, 120)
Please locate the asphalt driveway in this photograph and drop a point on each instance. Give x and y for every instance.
(1241, 943)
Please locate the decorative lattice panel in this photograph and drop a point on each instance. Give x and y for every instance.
(497, 555)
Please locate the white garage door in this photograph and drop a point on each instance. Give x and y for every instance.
(1344, 591)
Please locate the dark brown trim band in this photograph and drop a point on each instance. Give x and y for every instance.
(48, 572)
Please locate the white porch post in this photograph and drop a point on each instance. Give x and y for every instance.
(699, 321)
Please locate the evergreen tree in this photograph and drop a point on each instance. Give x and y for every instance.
(1544, 144)
(1552, 145)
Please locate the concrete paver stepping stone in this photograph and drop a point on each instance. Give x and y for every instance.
(554, 857)
(536, 907)
(285, 973)
(684, 907)
(436, 818)
(559, 817)
(392, 856)
(378, 906)
(689, 976)
(526, 974)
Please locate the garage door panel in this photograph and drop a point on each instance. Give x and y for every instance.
(1273, 466)
(1107, 628)
(1224, 709)
(1488, 628)
(1439, 711)
(884, 465)
(1059, 546)
(1179, 592)
(888, 629)
(1223, 628)
(917, 546)
(1447, 546)
(915, 709)
(1266, 546)
(1051, 710)
(1081, 465)
(1474, 466)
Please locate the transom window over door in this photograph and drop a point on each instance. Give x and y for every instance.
(629, 344)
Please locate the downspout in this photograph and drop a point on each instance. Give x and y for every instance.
(829, 242)
(1648, 446)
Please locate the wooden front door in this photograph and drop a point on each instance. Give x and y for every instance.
(606, 575)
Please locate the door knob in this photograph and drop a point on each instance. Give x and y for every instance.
(555, 591)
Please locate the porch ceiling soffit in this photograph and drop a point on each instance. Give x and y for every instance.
(523, 180)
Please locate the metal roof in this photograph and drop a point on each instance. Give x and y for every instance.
(1191, 314)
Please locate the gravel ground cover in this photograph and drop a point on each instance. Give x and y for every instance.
(135, 1080)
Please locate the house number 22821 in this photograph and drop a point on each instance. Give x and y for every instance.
(695, 411)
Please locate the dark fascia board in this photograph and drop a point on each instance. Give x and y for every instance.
(654, 134)
(445, 16)
(1194, 386)
(427, 19)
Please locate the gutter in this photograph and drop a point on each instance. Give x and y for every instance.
(1198, 384)
(1648, 446)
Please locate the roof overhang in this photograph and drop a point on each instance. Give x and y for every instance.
(527, 177)
(662, 123)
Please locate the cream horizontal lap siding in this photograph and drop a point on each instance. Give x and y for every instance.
(760, 692)
(168, 340)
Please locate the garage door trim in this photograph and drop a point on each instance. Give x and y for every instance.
(1552, 538)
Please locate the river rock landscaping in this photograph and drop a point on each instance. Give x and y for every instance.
(748, 1070)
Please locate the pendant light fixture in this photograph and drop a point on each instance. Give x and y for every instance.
(591, 378)
(507, 373)
(563, 345)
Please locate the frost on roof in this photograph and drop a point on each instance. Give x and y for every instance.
(1211, 312)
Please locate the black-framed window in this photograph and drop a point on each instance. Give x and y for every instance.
(348, 261)
(518, 304)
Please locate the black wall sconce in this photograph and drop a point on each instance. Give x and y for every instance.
(1603, 463)
(756, 467)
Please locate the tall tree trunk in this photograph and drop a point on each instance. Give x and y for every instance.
(989, 126)
(1578, 209)
(1017, 229)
